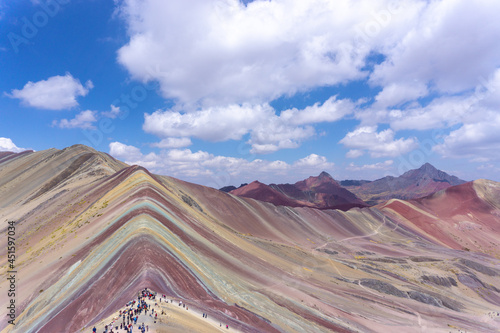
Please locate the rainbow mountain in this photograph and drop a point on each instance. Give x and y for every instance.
(91, 232)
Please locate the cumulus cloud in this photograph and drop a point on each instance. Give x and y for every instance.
(213, 124)
(472, 118)
(331, 110)
(378, 144)
(386, 165)
(112, 113)
(207, 168)
(55, 93)
(124, 152)
(441, 112)
(173, 143)
(84, 120)
(424, 63)
(6, 144)
(397, 93)
(186, 155)
(132, 155)
(445, 37)
(354, 153)
(313, 162)
(235, 58)
(479, 141)
(274, 135)
(268, 131)
(234, 53)
(489, 167)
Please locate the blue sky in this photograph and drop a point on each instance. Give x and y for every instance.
(224, 92)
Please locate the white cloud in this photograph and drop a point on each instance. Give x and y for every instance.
(369, 171)
(397, 93)
(268, 131)
(446, 54)
(55, 93)
(112, 113)
(84, 120)
(331, 110)
(232, 53)
(441, 112)
(173, 143)
(379, 144)
(223, 63)
(486, 93)
(124, 152)
(206, 168)
(132, 155)
(473, 115)
(446, 47)
(186, 155)
(386, 165)
(273, 135)
(489, 167)
(313, 161)
(213, 124)
(479, 141)
(354, 153)
(6, 144)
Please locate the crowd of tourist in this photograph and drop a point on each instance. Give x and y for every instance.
(128, 318)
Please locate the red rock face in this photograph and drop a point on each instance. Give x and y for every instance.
(458, 216)
(7, 155)
(259, 191)
(100, 231)
(319, 192)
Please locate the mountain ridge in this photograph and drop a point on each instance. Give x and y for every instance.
(412, 184)
(323, 191)
(252, 265)
(320, 191)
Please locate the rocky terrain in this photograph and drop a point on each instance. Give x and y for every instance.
(91, 232)
(322, 192)
(412, 184)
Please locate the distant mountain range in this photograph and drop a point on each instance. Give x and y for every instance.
(318, 192)
(412, 184)
(231, 187)
(324, 192)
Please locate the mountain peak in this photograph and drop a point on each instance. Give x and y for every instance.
(318, 192)
(311, 182)
(324, 174)
(412, 184)
(80, 148)
(428, 167)
(427, 170)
